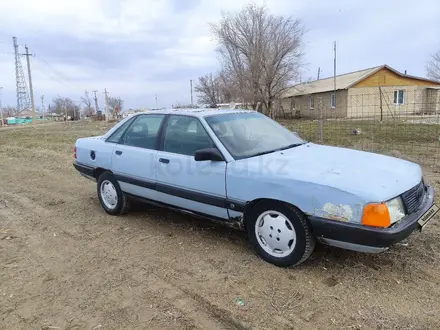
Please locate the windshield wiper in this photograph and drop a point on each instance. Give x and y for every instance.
(275, 150)
(290, 146)
(264, 153)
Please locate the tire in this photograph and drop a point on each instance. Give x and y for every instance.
(267, 231)
(119, 203)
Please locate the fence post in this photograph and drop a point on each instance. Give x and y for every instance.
(320, 122)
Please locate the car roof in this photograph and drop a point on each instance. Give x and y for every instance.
(203, 112)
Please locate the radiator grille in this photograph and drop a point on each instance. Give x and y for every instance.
(413, 198)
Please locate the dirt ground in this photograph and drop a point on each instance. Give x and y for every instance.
(65, 264)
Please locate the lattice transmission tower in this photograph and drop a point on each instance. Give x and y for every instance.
(23, 100)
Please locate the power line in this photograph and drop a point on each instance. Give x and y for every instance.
(57, 72)
(54, 70)
(55, 78)
(60, 75)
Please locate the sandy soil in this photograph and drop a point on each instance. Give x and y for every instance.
(65, 264)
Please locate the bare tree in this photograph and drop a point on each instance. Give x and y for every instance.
(229, 91)
(66, 107)
(216, 88)
(433, 67)
(87, 101)
(9, 111)
(208, 88)
(261, 52)
(115, 105)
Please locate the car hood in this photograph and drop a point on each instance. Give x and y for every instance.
(373, 177)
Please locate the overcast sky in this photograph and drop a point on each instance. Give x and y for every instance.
(139, 48)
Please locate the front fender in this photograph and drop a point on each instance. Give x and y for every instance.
(312, 199)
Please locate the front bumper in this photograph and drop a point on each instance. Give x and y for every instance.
(369, 239)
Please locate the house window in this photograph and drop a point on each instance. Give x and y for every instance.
(333, 101)
(399, 97)
(311, 102)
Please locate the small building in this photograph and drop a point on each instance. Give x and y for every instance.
(378, 91)
(28, 114)
(55, 116)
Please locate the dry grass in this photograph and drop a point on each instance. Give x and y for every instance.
(67, 264)
(418, 142)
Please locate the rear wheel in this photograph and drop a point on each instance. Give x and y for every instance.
(111, 197)
(280, 233)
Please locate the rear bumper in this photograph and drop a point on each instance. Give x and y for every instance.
(369, 239)
(84, 170)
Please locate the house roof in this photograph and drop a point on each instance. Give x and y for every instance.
(343, 81)
(28, 111)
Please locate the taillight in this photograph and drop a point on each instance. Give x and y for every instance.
(74, 152)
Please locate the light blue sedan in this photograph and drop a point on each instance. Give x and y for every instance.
(248, 171)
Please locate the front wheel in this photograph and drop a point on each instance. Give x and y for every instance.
(111, 197)
(280, 233)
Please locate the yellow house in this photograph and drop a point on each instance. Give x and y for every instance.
(379, 91)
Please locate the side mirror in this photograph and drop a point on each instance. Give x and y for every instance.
(208, 154)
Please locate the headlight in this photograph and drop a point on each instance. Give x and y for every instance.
(396, 209)
(383, 214)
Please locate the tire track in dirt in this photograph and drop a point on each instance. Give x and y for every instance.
(196, 312)
(202, 313)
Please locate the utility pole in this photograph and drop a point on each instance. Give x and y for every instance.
(96, 101)
(191, 86)
(155, 96)
(334, 75)
(106, 104)
(334, 70)
(1, 109)
(42, 106)
(30, 85)
(319, 72)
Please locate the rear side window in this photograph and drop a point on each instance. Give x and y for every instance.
(116, 137)
(143, 132)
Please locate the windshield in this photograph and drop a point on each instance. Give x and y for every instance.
(251, 134)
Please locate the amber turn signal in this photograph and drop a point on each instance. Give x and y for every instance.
(376, 215)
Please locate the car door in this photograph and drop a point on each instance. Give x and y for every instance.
(134, 155)
(197, 186)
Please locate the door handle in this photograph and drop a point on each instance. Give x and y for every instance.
(164, 160)
(118, 152)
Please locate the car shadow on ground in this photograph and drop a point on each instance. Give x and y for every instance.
(186, 222)
(324, 257)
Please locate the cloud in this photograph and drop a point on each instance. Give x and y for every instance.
(141, 48)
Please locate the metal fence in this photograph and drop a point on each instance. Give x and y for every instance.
(401, 124)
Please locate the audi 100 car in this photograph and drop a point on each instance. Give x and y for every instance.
(244, 169)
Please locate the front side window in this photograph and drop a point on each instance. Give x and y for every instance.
(116, 136)
(399, 97)
(185, 135)
(143, 132)
(251, 134)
